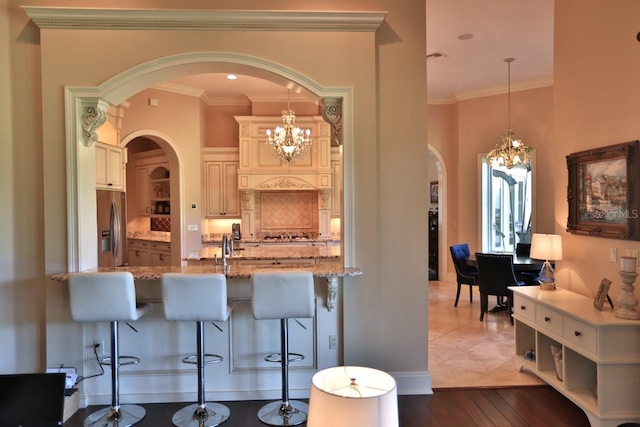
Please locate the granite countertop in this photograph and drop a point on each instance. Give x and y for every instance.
(310, 252)
(231, 272)
(151, 236)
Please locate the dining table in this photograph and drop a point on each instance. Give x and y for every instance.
(520, 262)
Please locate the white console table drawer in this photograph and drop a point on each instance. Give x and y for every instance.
(580, 334)
(549, 319)
(524, 307)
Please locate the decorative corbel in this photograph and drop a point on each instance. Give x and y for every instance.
(332, 292)
(93, 115)
(332, 114)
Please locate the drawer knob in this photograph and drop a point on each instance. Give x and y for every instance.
(577, 333)
(522, 307)
(547, 319)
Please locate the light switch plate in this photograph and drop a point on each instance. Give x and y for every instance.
(192, 227)
(613, 255)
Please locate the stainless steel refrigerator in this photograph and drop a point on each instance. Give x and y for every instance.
(111, 228)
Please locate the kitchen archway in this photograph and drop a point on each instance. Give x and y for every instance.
(171, 151)
(82, 103)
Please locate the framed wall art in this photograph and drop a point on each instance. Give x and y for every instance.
(434, 191)
(604, 192)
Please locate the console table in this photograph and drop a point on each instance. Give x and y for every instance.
(600, 366)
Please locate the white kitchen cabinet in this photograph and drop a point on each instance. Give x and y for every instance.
(600, 366)
(141, 195)
(221, 189)
(148, 253)
(110, 167)
(336, 192)
(159, 189)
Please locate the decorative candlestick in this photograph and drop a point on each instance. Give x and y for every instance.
(627, 299)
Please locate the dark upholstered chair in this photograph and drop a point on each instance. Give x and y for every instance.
(528, 277)
(465, 274)
(495, 275)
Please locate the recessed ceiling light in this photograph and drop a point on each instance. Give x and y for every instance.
(465, 36)
(232, 77)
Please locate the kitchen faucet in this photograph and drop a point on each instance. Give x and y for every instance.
(227, 248)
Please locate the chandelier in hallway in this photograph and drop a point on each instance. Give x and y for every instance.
(509, 151)
(289, 141)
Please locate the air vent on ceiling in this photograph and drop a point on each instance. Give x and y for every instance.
(437, 55)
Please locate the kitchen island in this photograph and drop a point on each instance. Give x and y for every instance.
(242, 340)
(254, 256)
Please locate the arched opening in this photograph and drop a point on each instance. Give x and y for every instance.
(172, 152)
(81, 159)
(437, 162)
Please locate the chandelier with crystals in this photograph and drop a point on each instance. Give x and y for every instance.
(509, 151)
(289, 141)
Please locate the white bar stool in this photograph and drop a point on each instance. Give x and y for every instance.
(199, 298)
(283, 295)
(108, 297)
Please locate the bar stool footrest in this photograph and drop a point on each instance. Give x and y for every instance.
(208, 359)
(128, 360)
(277, 357)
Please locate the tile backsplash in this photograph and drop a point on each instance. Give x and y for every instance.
(286, 211)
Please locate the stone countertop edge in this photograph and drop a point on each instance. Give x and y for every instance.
(231, 272)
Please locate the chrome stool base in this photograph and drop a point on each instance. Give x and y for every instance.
(193, 415)
(125, 416)
(280, 414)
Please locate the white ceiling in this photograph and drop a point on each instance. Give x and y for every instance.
(521, 29)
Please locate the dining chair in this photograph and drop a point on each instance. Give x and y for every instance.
(465, 274)
(528, 277)
(495, 275)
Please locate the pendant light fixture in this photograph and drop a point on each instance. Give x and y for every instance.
(289, 141)
(509, 151)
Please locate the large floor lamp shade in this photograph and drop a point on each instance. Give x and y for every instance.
(347, 396)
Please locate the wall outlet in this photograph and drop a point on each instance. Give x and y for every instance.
(613, 255)
(100, 349)
(333, 342)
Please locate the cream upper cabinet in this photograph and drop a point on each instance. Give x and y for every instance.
(336, 191)
(142, 191)
(221, 184)
(110, 167)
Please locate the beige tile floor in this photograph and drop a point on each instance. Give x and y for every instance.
(465, 352)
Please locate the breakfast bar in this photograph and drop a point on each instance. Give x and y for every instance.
(242, 340)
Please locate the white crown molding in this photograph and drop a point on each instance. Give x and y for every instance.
(196, 19)
(489, 92)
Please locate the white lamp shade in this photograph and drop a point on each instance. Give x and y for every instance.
(348, 396)
(546, 247)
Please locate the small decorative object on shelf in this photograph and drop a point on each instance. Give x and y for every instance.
(603, 295)
(627, 299)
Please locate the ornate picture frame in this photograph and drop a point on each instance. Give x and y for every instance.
(603, 295)
(604, 184)
(433, 189)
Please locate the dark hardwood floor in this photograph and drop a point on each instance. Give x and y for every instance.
(534, 406)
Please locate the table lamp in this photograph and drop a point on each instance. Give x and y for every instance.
(546, 247)
(348, 396)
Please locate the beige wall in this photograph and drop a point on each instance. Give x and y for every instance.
(386, 70)
(597, 103)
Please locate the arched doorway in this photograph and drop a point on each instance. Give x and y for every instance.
(439, 168)
(85, 103)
